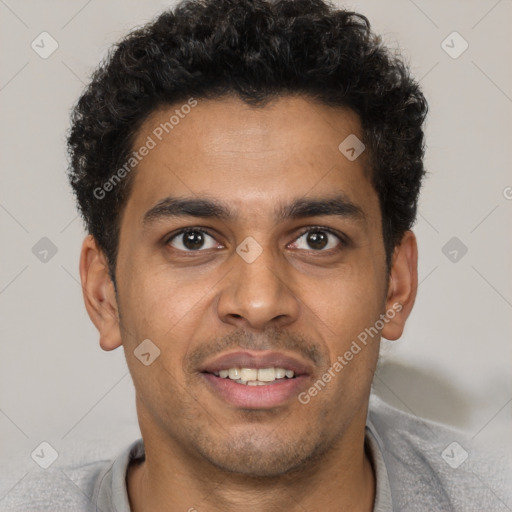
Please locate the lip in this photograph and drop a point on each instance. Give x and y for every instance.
(268, 396)
(255, 397)
(249, 359)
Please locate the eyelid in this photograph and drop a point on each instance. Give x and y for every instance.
(341, 236)
(344, 240)
(167, 239)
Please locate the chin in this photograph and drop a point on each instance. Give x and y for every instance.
(263, 458)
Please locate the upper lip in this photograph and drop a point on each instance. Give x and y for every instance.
(249, 359)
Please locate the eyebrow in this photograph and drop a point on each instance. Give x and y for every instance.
(176, 207)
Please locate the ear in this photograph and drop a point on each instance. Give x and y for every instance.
(402, 287)
(99, 294)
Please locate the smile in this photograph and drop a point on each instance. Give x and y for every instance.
(255, 376)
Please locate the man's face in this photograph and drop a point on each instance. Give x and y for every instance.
(300, 289)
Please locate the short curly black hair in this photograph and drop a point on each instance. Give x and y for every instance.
(256, 50)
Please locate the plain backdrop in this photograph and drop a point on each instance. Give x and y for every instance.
(453, 363)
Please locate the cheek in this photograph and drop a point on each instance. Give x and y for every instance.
(349, 301)
(350, 307)
(169, 310)
(160, 300)
(348, 313)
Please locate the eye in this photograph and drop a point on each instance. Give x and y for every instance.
(192, 240)
(318, 239)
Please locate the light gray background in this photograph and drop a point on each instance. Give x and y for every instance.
(453, 363)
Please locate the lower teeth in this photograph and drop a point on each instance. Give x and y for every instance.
(255, 382)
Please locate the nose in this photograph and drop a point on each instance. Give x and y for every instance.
(258, 294)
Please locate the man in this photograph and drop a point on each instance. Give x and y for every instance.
(248, 172)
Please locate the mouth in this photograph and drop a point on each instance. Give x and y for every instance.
(253, 380)
(255, 376)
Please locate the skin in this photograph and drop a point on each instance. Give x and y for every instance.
(201, 452)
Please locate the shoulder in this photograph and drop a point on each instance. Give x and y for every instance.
(70, 483)
(59, 488)
(435, 467)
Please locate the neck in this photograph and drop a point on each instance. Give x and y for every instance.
(342, 479)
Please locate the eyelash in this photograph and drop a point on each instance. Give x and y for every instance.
(343, 240)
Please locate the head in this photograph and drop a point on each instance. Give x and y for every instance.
(228, 118)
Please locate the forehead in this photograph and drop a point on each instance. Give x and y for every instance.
(250, 157)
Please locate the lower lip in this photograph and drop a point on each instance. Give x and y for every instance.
(256, 397)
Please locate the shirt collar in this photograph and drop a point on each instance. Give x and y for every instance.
(373, 443)
(112, 493)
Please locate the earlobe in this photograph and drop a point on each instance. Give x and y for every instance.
(403, 286)
(99, 294)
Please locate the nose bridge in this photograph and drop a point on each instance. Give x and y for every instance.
(257, 292)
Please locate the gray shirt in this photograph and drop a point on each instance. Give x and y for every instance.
(420, 466)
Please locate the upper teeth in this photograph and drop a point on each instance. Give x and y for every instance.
(244, 375)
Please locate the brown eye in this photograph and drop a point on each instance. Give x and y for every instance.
(317, 240)
(192, 240)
